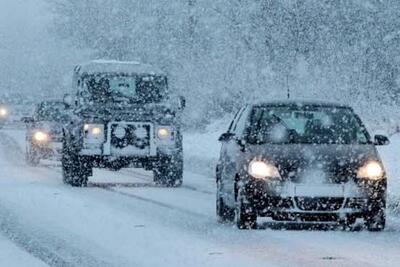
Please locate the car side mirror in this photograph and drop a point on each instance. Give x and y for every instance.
(226, 137)
(27, 120)
(68, 100)
(381, 140)
(182, 103)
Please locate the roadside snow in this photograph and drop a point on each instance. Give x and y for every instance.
(391, 159)
(201, 149)
(138, 224)
(11, 255)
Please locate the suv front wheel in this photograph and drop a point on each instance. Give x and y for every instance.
(75, 170)
(169, 172)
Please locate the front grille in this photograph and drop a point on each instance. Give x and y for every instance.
(130, 135)
(319, 203)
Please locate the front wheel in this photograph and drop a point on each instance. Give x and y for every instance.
(31, 156)
(75, 170)
(246, 217)
(224, 213)
(375, 221)
(169, 172)
(375, 218)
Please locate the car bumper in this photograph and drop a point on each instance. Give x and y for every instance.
(51, 150)
(331, 201)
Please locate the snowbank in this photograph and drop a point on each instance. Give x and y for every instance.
(201, 149)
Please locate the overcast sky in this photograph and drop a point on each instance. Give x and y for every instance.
(31, 60)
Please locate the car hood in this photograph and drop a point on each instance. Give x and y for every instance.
(53, 128)
(315, 163)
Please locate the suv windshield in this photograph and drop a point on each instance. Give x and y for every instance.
(141, 89)
(307, 125)
(51, 112)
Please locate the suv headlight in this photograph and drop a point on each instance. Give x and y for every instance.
(262, 170)
(165, 133)
(94, 133)
(372, 170)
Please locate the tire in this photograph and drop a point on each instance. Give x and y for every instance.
(375, 218)
(246, 217)
(376, 221)
(225, 214)
(75, 170)
(169, 172)
(31, 156)
(348, 223)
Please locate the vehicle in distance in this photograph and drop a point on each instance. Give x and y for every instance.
(124, 116)
(300, 161)
(4, 114)
(44, 131)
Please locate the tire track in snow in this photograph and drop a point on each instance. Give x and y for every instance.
(43, 246)
(49, 249)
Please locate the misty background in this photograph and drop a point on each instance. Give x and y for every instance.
(218, 54)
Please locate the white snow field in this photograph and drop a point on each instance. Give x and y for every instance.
(122, 219)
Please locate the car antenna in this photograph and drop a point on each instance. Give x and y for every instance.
(287, 85)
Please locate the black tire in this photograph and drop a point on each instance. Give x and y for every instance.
(75, 170)
(246, 217)
(169, 172)
(31, 156)
(225, 214)
(348, 223)
(375, 221)
(375, 217)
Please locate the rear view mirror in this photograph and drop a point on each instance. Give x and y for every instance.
(182, 103)
(27, 120)
(381, 140)
(226, 137)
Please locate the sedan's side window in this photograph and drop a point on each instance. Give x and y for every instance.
(242, 122)
(232, 126)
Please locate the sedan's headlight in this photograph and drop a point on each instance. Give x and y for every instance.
(372, 170)
(94, 133)
(262, 170)
(40, 137)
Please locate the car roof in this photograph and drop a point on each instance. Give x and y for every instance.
(300, 103)
(113, 66)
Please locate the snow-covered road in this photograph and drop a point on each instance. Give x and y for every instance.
(121, 219)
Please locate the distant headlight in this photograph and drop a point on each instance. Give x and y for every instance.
(3, 112)
(262, 170)
(40, 136)
(164, 133)
(372, 170)
(94, 133)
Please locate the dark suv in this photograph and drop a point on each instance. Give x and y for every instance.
(123, 116)
(300, 161)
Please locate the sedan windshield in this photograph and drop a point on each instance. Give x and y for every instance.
(315, 125)
(142, 89)
(50, 111)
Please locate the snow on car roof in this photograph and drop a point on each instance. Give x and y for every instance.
(113, 66)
